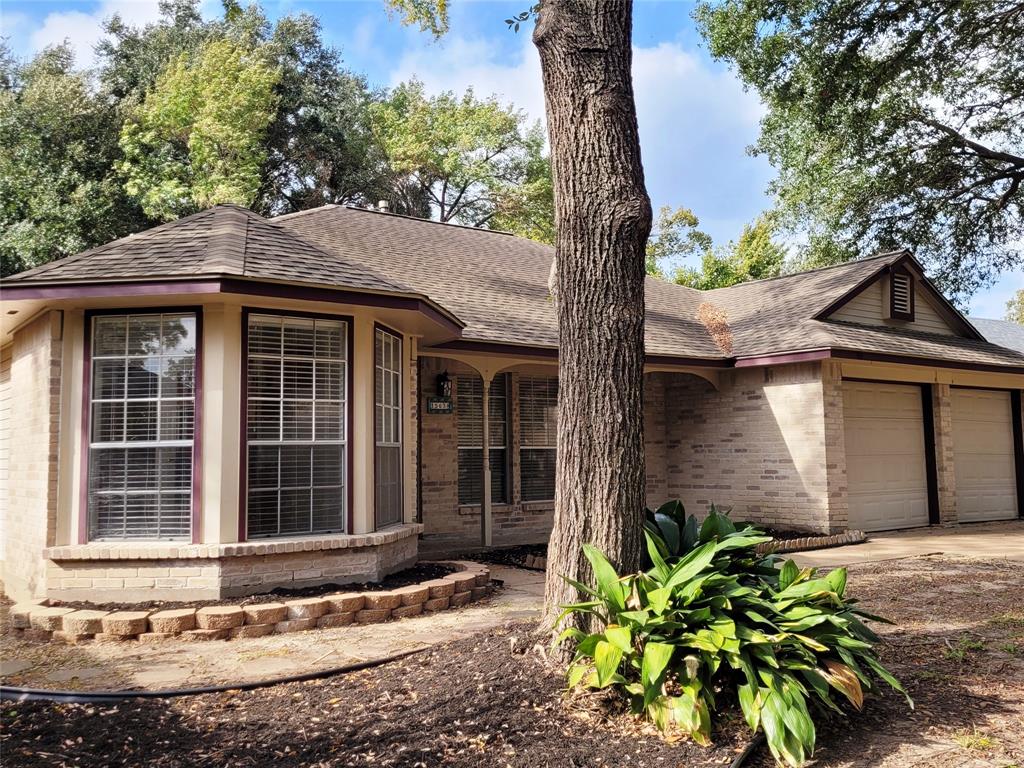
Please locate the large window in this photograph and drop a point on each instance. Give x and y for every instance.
(142, 425)
(469, 411)
(296, 430)
(538, 424)
(388, 427)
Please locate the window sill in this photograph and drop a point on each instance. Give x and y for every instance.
(169, 551)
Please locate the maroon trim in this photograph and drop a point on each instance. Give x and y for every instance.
(197, 426)
(495, 348)
(935, 362)
(1018, 448)
(782, 359)
(350, 412)
(930, 459)
(232, 285)
(697, 362)
(401, 411)
(243, 459)
(899, 269)
(862, 286)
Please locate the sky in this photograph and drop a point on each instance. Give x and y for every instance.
(696, 121)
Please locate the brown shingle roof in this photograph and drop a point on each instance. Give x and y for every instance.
(497, 284)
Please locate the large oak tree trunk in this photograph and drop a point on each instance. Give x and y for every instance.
(603, 219)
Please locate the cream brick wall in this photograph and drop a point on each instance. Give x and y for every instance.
(942, 410)
(759, 444)
(31, 522)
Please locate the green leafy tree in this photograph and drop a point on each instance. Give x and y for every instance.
(1015, 308)
(754, 256)
(198, 138)
(674, 237)
(58, 142)
(891, 124)
(473, 159)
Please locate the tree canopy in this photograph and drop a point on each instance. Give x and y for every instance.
(1015, 308)
(472, 159)
(891, 124)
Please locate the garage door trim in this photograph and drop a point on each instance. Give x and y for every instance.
(1018, 447)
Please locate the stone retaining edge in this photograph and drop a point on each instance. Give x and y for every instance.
(41, 622)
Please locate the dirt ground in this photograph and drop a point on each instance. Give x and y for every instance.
(958, 647)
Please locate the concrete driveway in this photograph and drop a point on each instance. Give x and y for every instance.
(981, 540)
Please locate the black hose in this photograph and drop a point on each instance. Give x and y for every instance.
(12, 693)
(753, 744)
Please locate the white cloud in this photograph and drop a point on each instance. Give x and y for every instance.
(695, 119)
(83, 30)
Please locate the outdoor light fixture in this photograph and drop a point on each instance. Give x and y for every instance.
(444, 385)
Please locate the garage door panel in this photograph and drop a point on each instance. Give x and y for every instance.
(983, 455)
(886, 472)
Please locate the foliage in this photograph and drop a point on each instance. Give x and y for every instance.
(891, 125)
(674, 237)
(198, 138)
(1015, 308)
(718, 621)
(754, 256)
(58, 143)
(473, 159)
(430, 15)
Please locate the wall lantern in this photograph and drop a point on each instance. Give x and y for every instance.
(444, 385)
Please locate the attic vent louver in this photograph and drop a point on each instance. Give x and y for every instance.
(902, 299)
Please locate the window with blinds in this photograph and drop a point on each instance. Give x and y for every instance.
(388, 427)
(469, 412)
(296, 430)
(142, 426)
(538, 436)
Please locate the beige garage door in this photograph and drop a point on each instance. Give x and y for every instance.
(885, 467)
(986, 484)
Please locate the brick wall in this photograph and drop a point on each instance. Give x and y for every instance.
(32, 470)
(213, 577)
(757, 444)
(942, 411)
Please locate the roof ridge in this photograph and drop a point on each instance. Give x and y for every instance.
(225, 245)
(432, 221)
(801, 273)
(303, 212)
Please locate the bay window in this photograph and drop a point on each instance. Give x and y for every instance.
(142, 425)
(296, 425)
(388, 427)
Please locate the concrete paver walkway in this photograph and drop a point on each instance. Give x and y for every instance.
(184, 664)
(982, 540)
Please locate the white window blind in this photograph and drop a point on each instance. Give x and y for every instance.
(296, 432)
(538, 435)
(142, 426)
(469, 412)
(388, 427)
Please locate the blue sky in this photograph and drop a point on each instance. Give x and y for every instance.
(695, 119)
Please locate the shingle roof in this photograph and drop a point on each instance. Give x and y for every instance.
(497, 284)
(223, 240)
(1001, 332)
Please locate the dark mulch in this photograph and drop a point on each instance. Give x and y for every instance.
(416, 574)
(511, 555)
(470, 704)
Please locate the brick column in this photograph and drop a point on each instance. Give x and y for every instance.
(942, 408)
(835, 447)
(31, 522)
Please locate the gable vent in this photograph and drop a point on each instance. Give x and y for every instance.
(902, 295)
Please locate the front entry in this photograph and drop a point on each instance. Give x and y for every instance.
(885, 456)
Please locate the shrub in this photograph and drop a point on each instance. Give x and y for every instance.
(712, 619)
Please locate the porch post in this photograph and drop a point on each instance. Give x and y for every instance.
(486, 519)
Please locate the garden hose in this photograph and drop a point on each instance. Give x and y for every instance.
(13, 693)
(753, 744)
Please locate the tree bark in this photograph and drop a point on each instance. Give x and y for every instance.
(603, 219)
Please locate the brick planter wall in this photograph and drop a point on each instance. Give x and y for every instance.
(43, 622)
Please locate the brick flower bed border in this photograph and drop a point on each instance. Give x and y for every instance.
(41, 622)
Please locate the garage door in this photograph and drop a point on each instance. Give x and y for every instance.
(986, 484)
(885, 449)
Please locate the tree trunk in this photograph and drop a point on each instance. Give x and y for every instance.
(603, 219)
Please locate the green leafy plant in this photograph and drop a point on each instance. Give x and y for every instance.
(964, 645)
(712, 619)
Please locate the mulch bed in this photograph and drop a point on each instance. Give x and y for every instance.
(414, 575)
(513, 556)
(471, 703)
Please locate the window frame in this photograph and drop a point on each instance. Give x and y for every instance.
(243, 458)
(85, 438)
(381, 328)
(506, 379)
(523, 447)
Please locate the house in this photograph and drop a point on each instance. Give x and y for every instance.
(224, 404)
